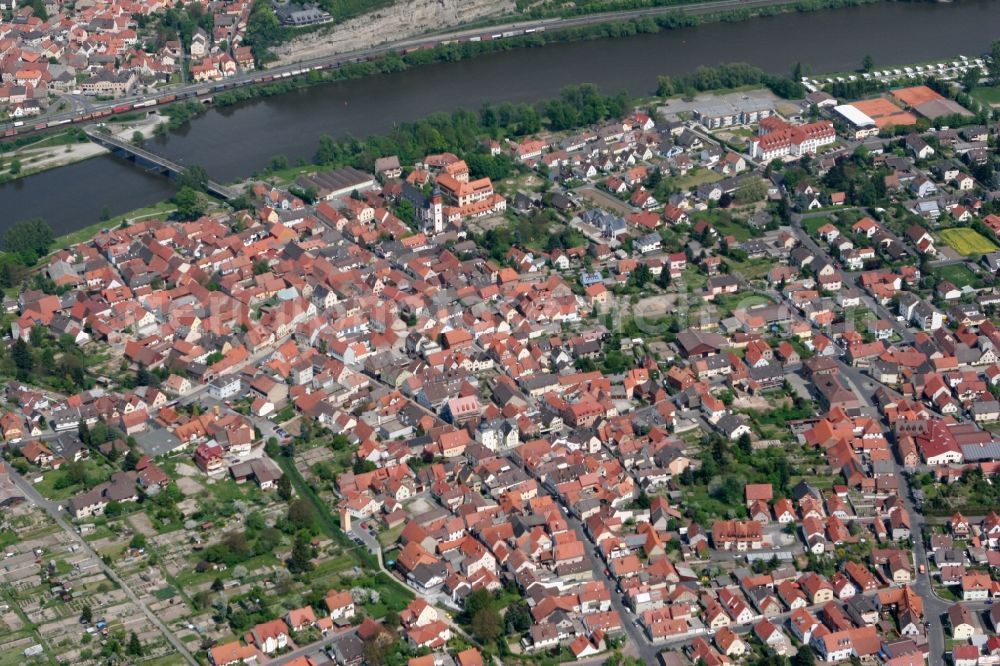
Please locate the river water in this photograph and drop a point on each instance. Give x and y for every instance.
(233, 142)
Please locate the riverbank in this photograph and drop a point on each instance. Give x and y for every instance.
(44, 153)
(586, 19)
(668, 17)
(63, 148)
(37, 160)
(160, 209)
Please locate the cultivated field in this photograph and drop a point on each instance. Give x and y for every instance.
(967, 241)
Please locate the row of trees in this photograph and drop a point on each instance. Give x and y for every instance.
(584, 105)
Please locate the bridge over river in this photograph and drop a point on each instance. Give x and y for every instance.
(150, 160)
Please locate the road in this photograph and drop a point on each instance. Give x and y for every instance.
(934, 606)
(55, 510)
(646, 650)
(335, 60)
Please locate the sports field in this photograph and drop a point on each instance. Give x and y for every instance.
(967, 241)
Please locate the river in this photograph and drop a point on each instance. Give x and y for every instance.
(233, 142)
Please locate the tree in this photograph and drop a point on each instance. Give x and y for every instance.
(138, 541)
(134, 646)
(328, 151)
(405, 211)
(362, 466)
(744, 443)
(86, 615)
(804, 657)
(301, 558)
(218, 585)
(486, 624)
(518, 616)
(15, 166)
(278, 162)
(263, 30)
(23, 360)
(376, 651)
(970, 79)
(867, 63)
(641, 275)
(284, 488)
(137, 138)
(83, 431)
(993, 65)
(28, 239)
(665, 86)
(195, 177)
(131, 460)
(754, 189)
(38, 9)
(114, 508)
(301, 515)
(76, 473)
(189, 204)
(144, 377)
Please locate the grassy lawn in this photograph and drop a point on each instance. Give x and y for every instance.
(393, 596)
(753, 269)
(967, 241)
(162, 209)
(694, 279)
(49, 485)
(705, 504)
(17, 658)
(333, 566)
(191, 578)
(745, 301)
(696, 177)
(225, 491)
(388, 537)
(958, 274)
(812, 224)
(168, 659)
(987, 94)
(730, 227)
